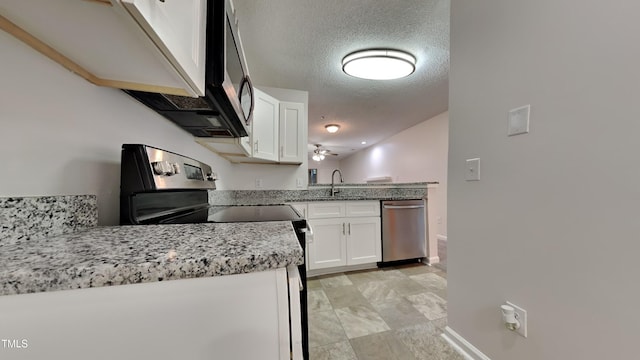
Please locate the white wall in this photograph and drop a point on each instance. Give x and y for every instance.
(325, 168)
(61, 135)
(413, 155)
(553, 224)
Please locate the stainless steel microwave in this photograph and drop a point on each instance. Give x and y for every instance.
(226, 109)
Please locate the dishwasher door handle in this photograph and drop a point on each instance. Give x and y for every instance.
(403, 206)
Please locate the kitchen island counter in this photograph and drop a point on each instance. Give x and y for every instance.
(119, 255)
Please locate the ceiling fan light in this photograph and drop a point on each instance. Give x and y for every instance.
(316, 157)
(379, 64)
(332, 128)
(321, 157)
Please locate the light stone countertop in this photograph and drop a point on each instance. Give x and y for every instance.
(118, 255)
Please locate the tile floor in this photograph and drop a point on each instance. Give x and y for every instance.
(391, 313)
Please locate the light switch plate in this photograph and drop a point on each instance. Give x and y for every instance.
(472, 172)
(258, 183)
(519, 120)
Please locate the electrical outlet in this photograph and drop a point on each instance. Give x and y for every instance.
(258, 183)
(299, 182)
(521, 316)
(439, 220)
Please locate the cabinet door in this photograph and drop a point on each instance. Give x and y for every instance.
(292, 128)
(210, 312)
(363, 240)
(178, 28)
(265, 126)
(327, 247)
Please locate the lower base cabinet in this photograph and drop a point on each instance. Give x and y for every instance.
(245, 316)
(344, 241)
(364, 240)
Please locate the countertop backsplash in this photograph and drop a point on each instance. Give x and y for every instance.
(30, 218)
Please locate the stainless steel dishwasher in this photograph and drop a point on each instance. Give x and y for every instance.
(403, 230)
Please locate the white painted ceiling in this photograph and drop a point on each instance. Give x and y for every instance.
(299, 44)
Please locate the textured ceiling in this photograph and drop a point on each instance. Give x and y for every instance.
(299, 44)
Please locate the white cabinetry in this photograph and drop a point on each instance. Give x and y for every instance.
(245, 316)
(293, 148)
(344, 234)
(364, 240)
(178, 28)
(264, 134)
(327, 247)
(129, 44)
(278, 134)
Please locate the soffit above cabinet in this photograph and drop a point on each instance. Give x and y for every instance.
(99, 41)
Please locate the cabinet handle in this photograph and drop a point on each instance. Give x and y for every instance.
(255, 146)
(349, 229)
(281, 151)
(343, 229)
(161, 1)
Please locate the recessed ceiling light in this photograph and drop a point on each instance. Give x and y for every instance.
(379, 64)
(363, 143)
(332, 128)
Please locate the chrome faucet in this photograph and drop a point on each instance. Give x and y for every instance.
(333, 187)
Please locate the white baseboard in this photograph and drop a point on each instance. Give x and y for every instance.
(441, 237)
(432, 260)
(462, 346)
(339, 269)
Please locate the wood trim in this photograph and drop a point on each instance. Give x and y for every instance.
(102, 2)
(140, 87)
(53, 54)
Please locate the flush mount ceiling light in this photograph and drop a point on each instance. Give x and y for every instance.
(379, 64)
(332, 128)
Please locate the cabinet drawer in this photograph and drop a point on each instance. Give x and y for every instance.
(362, 208)
(326, 209)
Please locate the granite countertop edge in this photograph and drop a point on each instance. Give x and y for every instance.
(418, 185)
(355, 198)
(80, 260)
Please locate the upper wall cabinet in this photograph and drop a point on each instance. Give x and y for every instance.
(264, 134)
(278, 130)
(292, 123)
(278, 134)
(142, 45)
(178, 29)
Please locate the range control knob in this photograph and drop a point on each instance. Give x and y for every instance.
(162, 168)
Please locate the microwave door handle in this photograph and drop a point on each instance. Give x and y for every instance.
(247, 81)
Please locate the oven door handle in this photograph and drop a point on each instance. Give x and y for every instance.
(309, 232)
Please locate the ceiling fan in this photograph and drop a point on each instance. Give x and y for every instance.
(319, 154)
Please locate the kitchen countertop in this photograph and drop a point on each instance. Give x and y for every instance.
(322, 192)
(378, 185)
(118, 255)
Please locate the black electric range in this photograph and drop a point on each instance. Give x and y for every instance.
(161, 187)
